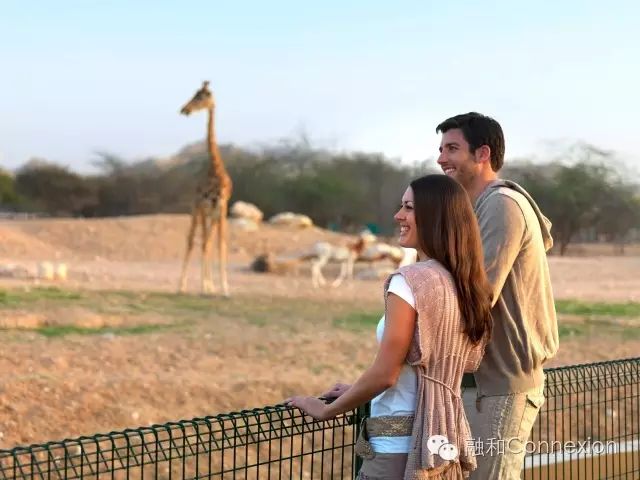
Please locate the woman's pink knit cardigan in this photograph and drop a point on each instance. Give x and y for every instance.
(440, 353)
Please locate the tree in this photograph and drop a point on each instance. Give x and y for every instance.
(579, 194)
(619, 213)
(54, 189)
(8, 195)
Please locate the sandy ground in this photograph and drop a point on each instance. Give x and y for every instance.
(146, 252)
(53, 388)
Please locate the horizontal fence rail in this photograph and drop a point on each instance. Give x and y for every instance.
(588, 428)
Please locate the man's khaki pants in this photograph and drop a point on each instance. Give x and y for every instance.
(500, 427)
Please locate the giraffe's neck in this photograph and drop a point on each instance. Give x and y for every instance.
(216, 167)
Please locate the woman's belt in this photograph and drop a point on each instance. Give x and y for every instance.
(384, 426)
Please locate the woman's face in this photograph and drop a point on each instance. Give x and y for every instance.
(407, 221)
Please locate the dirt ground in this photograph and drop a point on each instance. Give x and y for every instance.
(145, 253)
(275, 337)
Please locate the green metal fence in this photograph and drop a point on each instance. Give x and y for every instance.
(589, 428)
(271, 442)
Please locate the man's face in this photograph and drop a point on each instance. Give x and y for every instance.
(456, 160)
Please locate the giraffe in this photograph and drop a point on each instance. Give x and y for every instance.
(211, 202)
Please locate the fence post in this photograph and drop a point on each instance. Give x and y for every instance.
(363, 411)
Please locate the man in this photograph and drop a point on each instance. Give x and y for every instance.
(502, 399)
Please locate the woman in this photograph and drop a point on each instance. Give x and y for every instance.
(437, 322)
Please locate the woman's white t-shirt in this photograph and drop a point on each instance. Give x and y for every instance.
(399, 400)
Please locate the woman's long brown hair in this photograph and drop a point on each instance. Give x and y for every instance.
(448, 232)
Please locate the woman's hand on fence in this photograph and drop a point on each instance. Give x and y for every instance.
(335, 391)
(311, 406)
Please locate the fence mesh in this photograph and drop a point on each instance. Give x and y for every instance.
(588, 428)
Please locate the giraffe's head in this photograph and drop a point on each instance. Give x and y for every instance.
(203, 99)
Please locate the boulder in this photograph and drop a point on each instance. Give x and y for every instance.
(246, 210)
(290, 219)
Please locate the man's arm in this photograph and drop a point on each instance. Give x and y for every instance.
(502, 228)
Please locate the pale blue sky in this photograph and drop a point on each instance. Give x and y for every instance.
(81, 76)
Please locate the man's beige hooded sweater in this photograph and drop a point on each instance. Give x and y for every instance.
(516, 237)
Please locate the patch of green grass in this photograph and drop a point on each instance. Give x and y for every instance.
(141, 302)
(574, 307)
(357, 320)
(55, 293)
(258, 321)
(8, 300)
(600, 327)
(195, 306)
(113, 302)
(629, 333)
(15, 298)
(63, 330)
(181, 302)
(191, 309)
(571, 330)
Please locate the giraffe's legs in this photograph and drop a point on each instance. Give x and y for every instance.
(222, 249)
(209, 228)
(190, 237)
(211, 254)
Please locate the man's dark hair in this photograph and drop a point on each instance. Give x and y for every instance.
(478, 130)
